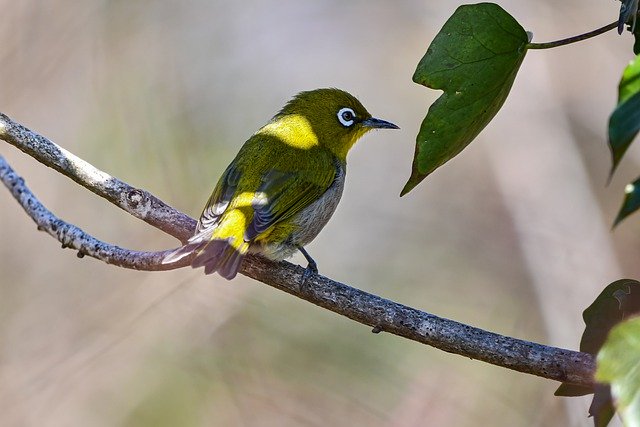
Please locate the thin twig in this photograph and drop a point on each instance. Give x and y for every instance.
(573, 39)
(135, 201)
(75, 238)
(381, 314)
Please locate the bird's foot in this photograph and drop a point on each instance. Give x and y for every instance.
(312, 269)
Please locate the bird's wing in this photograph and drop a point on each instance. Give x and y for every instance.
(282, 194)
(201, 242)
(219, 201)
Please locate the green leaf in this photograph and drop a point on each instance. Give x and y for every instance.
(474, 60)
(631, 201)
(624, 122)
(636, 44)
(619, 366)
(618, 301)
(601, 408)
(628, 14)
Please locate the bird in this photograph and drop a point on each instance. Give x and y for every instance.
(283, 186)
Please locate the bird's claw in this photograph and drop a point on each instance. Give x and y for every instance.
(311, 270)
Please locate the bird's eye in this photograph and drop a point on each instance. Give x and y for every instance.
(346, 116)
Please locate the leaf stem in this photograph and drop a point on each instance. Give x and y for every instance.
(573, 39)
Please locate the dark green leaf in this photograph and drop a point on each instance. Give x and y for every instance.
(572, 390)
(618, 301)
(601, 408)
(619, 366)
(624, 122)
(631, 201)
(628, 14)
(474, 60)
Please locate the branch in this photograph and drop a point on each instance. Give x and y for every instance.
(574, 39)
(381, 314)
(135, 201)
(73, 237)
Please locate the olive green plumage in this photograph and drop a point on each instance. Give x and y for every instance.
(283, 185)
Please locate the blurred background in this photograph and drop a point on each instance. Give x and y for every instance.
(511, 236)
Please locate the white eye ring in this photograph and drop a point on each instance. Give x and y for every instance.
(346, 116)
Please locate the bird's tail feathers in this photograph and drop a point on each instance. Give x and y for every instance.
(221, 255)
(179, 253)
(213, 254)
(194, 244)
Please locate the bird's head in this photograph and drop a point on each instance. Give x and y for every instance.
(332, 118)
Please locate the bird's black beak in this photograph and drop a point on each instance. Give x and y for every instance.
(374, 123)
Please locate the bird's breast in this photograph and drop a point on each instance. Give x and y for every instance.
(314, 217)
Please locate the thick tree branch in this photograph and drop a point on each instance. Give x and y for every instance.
(135, 201)
(379, 313)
